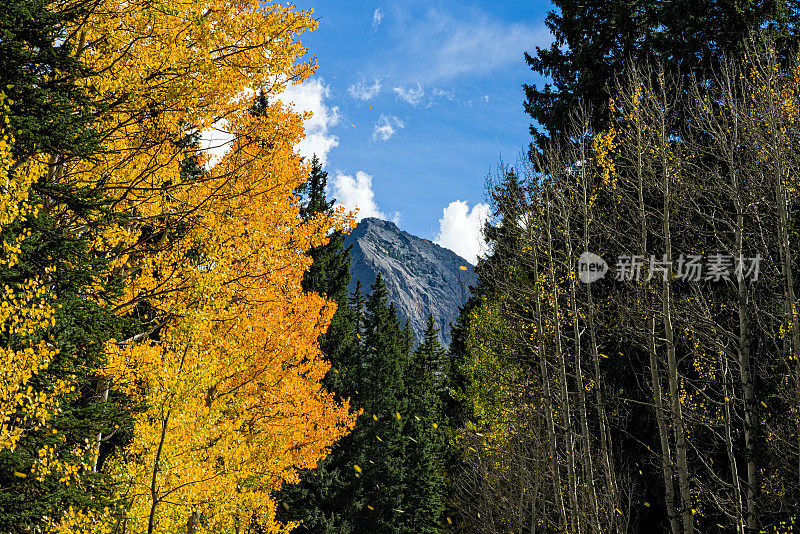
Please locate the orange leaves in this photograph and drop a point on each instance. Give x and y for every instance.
(230, 375)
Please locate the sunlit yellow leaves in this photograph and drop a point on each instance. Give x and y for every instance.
(230, 370)
(604, 145)
(25, 311)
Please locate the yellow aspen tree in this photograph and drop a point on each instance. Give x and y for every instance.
(25, 312)
(226, 368)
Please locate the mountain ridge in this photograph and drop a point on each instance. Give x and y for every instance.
(421, 277)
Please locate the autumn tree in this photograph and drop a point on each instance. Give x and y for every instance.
(60, 290)
(321, 501)
(660, 396)
(224, 361)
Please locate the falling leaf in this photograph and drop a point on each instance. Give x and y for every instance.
(357, 468)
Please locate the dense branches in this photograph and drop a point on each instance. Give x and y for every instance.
(656, 397)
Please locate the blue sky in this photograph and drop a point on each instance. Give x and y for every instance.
(415, 104)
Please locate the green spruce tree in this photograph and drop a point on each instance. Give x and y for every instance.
(51, 117)
(594, 39)
(425, 433)
(380, 439)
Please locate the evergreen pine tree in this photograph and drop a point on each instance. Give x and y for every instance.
(380, 440)
(358, 304)
(594, 38)
(425, 477)
(51, 116)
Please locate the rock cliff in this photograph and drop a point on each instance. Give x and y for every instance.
(421, 277)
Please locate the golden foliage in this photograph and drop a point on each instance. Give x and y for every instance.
(228, 369)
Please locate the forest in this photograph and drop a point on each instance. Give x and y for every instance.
(181, 354)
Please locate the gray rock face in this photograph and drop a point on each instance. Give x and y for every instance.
(420, 277)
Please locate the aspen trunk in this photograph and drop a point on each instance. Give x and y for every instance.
(663, 432)
(606, 449)
(102, 393)
(743, 354)
(552, 439)
(588, 463)
(737, 491)
(192, 523)
(678, 424)
(569, 440)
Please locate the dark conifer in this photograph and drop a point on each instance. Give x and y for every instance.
(424, 430)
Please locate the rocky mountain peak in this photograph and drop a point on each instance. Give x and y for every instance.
(420, 276)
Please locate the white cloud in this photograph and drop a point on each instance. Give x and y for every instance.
(307, 96)
(444, 93)
(310, 96)
(460, 229)
(362, 91)
(411, 96)
(423, 94)
(216, 142)
(386, 127)
(355, 193)
(377, 17)
(441, 46)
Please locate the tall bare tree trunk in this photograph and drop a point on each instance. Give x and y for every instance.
(548, 397)
(102, 393)
(678, 423)
(569, 440)
(606, 446)
(743, 342)
(634, 102)
(588, 462)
